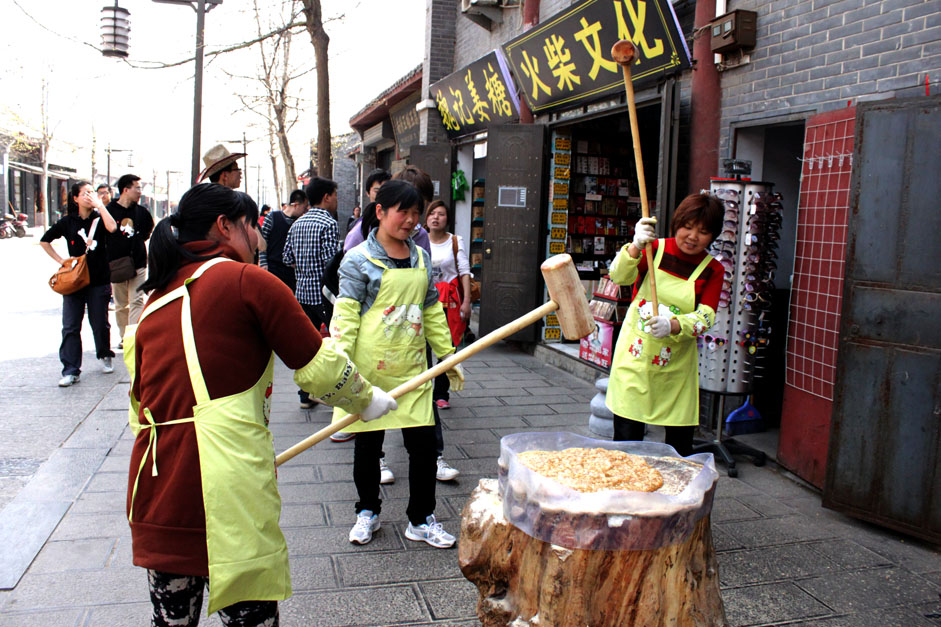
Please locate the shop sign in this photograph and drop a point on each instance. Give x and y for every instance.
(405, 124)
(477, 96)
(566, 61)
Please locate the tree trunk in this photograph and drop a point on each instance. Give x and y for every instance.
(525, 581)
(273, 153)
(44, 205)
(318, 37)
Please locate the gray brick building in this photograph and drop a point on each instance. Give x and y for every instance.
(790, 106)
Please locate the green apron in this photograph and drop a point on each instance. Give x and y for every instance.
(657, 381)
(390, 347)
(248, 556)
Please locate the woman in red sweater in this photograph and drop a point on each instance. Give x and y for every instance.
(654, 372)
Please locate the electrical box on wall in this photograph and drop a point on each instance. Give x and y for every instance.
(733, 31)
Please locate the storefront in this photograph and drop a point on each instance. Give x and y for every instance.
(784, 93)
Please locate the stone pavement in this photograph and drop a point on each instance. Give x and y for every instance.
(783, 560)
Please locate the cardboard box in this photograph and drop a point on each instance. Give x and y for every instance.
(598, 347)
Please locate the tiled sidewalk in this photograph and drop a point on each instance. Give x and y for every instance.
(782, 558)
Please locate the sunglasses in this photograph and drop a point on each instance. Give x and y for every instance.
(726, 193)
(731, 215)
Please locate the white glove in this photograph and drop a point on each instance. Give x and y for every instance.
(644, 232)
(380, 405)
(456, 377)
(659, 327)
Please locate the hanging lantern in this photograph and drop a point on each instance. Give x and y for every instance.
(115, 31)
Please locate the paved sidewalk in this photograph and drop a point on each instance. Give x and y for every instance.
(782, 558)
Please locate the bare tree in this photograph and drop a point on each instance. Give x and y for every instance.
(313, 22)
(45, 139)
(276, 104)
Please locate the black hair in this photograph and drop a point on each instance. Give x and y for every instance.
(376, 176)
(399, 193)
(369, 220)
(317, 189)
(74, 191)
(126, 181)
(420, 179)
(265, 210)
(215, 176)
(251, 207)
(105, 185)
(191, 222)
(298, 195)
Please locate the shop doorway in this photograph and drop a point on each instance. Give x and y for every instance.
(774, 152)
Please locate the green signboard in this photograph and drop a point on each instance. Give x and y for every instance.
(566, 60)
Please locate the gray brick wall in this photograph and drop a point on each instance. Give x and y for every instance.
(817, 55)
(345, 175)
(439, 62)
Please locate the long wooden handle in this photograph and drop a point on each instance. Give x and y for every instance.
(641, 181)
(442, 366)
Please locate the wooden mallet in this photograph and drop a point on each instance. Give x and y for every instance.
(624, 52)
(567, 297)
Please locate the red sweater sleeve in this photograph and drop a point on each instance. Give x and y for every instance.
(712, 286)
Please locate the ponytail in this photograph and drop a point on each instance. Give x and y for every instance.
(197, 212)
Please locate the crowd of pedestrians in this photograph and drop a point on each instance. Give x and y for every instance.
(353, 318)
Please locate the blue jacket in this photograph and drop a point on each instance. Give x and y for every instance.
(360, 279)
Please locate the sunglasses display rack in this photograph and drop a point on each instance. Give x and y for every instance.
(728, 352)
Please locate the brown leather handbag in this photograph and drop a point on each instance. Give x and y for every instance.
(474, 283)
(72, 275)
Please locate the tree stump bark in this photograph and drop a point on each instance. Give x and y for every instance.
(525, 581)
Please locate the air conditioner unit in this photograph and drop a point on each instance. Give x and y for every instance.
(467, 5)
(483, 12)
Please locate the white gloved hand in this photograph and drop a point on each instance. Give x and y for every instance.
(659, 327)
(456, 377)
(644, 232)
(380, 405)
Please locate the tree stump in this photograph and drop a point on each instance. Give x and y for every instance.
(525, 581)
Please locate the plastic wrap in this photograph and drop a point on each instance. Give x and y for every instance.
(610, 519)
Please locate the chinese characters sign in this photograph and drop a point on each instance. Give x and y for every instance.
(477, 96)
(567, 60)
(405, 124)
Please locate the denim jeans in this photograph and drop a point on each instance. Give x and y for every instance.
(95, 298)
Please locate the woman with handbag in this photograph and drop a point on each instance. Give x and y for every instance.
(87, 243)
(450, 272)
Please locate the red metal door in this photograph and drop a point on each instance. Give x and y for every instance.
(816, 293)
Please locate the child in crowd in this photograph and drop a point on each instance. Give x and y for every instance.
(385, 312)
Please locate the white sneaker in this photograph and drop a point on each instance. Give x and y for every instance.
(366, 523)
(385, 473)
(106, 366)
(68, 380)
(445, 471)
(431, 532)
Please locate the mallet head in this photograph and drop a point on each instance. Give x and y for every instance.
(565, 289)
(624, 52)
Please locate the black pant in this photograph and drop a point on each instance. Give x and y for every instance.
(422, 466)
(95, 298)
(178, 601)
(317, 314)
(680, 438)
(441, 388)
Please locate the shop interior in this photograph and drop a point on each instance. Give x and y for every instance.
(773, 154)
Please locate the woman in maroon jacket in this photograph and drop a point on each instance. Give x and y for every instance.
(201, 363)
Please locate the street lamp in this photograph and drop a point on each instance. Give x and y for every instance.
(201, 7)
(109, 150)
(115, 31)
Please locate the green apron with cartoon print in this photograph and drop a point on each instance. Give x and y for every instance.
(390, 347)
(657, 381)
(248, 557)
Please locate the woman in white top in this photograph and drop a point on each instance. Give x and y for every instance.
(450, 272)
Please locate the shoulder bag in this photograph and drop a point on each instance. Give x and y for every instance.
(72, 275)
(474, 283)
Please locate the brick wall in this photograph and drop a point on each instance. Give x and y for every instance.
(439, 62)
(345, 175)
(815, 55)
